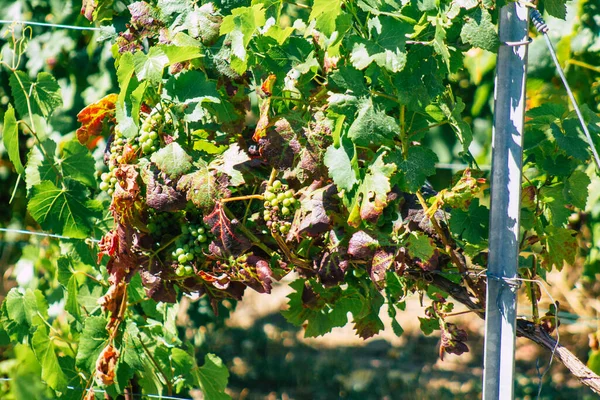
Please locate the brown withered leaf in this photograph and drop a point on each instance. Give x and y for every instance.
(312, 219)
(263, 120)
(453, 340)
(92, 117)
(257, 274)
(106, 365)
(87, 9)
(382, 261)
(112, 302)
(225, 235)
(158, 288)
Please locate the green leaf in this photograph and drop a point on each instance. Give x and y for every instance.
(330, 310)
(387, 47)
(77, 163)
(546, 113)
(428, 325)
(452, 109)
(231, 158)
(576, 189)
(373, 127)
(555, 204)
(91, 342)
(44, 351)
(325, 12)
(213, 376)
(371, 197)
(62, 210)
(439, 43)
(150, 66)
(560, 247)
(420, 246)
(471, 225)
(342, 165)
(556, 8)
(413, 172)
(570, 140)
(71, 303)
(480, 31)
(368, 323)
(10, 138)
(240, 27)
(127, 83)
(172, 160)
(191, 87)
(593, 362)
(43, 94)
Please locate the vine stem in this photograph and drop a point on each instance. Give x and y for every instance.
(247, 197)
(450, 250)
(160, 370)
(256, 241)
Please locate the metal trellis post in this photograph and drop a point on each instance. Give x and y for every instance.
(507, 163)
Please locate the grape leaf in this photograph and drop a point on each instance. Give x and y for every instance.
(480, 31)
(191, 87)
(150, 66)
(556, 8)
(439, 43)
(420, 246)
(371, 197)
(201, 187)
(43, 94)
(471, 225)
(555, 204)
(44, 351)
(71, 303)
(419, 164)
(560, 247)
(10, 138)
(213, 376)
(93, 339)
(172, 160)
(239, 27)
(387, 49)
(231, 158)
(62, 210)
(227, 239)
(342, 165)
(328, 310)
(569, 139)
(368, 323)
(325, 12)
(452, 108)
(77, 163)
(372, 127)
(576, 189)
(92, 117)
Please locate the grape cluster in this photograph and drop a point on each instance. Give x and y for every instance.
(280, 205)
(152, 127)
(162, 223)
(109, 180)
(115, 157)
(192, 243)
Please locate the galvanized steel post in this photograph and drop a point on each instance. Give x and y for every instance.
(507, 163)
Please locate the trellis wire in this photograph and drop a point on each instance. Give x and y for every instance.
(153, 396)
(44, 234)
(50, 25)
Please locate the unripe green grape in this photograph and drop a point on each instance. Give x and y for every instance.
(104, 186)
(276, 185)
(285, 211)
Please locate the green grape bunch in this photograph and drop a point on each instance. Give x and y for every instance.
(280, 205)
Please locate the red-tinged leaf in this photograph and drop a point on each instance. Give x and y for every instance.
(453, 340)
(382, 261)
(106, 365)
(263, 121)
(226, 237)
(158, 288)
(267, 85)
(112, 302)
(332, 268)
(201, 188)
(126, 192)
(92, 117)
(362, 245)
(313, 219)
(257, 274)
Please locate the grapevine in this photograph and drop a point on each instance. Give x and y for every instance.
(238, 147)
